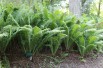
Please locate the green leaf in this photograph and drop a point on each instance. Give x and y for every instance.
(81, 49)
(75, 28)
(89, 48)
(92, 39)
(61, 35)
(36, 30)
(82, 40)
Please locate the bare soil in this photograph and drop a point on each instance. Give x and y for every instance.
(18, 60)
(71, 61)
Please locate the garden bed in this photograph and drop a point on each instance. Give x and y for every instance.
(71, 61)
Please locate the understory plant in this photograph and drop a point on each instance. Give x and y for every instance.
(8, 27)
(38, 27)
(85, 36)
(33, 39)
(6, 34)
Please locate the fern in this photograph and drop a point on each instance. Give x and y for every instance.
(6, 34)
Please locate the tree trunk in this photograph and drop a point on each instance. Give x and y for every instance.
(75, 7)
(99, 6)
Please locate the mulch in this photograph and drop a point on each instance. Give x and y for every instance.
(46, 60)
(71, 61)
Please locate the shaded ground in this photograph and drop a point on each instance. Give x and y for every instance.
(17, 60)
(72, 61)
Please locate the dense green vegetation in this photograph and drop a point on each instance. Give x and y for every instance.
(37, 27)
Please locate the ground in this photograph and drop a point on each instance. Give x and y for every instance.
(44, 60)
(71, 61)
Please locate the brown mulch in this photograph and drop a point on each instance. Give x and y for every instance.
(17, 60)
(72, 61)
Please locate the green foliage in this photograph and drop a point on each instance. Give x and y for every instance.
(37, 27)
(4, 63)
(6, 34)
(84, 36)
(55, 41)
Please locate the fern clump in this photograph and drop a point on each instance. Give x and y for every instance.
(37, 27)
